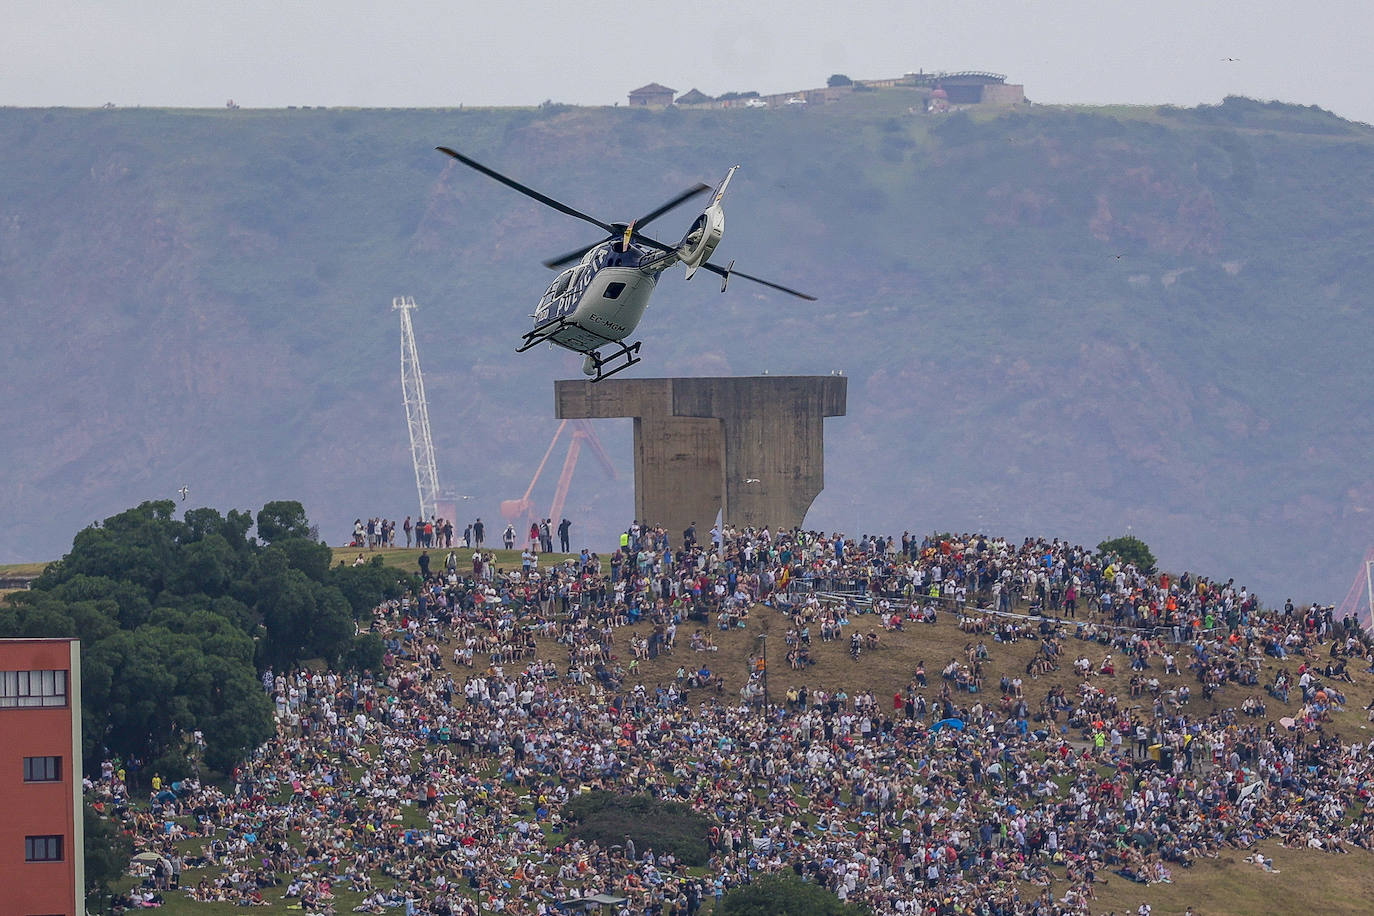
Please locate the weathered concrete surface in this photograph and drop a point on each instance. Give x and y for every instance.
(751, 448)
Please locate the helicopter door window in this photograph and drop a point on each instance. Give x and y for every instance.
(613, 290)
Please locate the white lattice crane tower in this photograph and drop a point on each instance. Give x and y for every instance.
(417, 412)
(1359, 601)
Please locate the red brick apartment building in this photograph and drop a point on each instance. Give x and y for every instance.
(42, 870)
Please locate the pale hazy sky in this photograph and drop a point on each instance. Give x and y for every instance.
(521, 52)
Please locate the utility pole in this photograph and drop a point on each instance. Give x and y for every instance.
(417, 413)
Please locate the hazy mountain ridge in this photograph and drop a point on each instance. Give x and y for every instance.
(1060, 322)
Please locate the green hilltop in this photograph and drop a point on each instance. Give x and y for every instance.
(1071, 321)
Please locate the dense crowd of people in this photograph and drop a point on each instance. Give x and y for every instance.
(437, 785)
(439, 532)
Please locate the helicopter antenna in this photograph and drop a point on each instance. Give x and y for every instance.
(417, 413)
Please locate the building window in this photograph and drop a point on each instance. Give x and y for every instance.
(43, 849)
(42, 769)
(33, 688)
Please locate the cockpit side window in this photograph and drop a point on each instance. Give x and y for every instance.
(560, 285)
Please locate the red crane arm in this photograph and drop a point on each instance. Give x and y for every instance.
(585, 427)
(545, 460)
(560, 495)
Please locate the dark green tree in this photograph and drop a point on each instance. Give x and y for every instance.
(282, 518)
(127, 694)
(310, 557)
(131, 603)
(107, 852)
(331, 630)
(1130, 549)
(786, 895)
(664, 826)
(365, 653)
(839, 79)
(240, 714)
(136, 546)
(174, 617)
(207, 566)
(286, 605)
(203, 522)
(369, 585)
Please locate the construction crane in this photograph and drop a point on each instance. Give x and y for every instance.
(520, 512)
(417, 413)
(1359, 601)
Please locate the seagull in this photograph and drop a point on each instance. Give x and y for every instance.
(751, 480)
(183, 491)
(1231, 60)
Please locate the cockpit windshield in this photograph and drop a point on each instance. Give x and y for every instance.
(560, 284)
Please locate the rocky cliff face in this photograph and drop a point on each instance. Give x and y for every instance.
(1062, 322)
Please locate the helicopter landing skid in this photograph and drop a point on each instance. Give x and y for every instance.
(627, 356)
(539, 335)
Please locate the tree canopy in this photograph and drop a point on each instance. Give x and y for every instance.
(665, 826)
(1130, 549)
(106, 853)
(179, 618)
(786, 895)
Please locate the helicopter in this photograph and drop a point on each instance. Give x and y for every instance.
(599, 301)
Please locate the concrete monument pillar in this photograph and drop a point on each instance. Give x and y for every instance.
(749, 448)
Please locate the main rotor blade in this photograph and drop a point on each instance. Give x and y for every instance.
(527, 191)
(569, 257)
(675, 202)
(722, 272)
(636, 234)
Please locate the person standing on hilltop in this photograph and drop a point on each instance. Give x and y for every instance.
(407, 527)
(479, 532)
(564, 528)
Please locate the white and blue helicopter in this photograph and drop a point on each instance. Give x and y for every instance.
(599, 301)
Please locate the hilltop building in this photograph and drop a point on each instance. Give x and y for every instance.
(969, 87)
(42, 865)
(945, 91)
(694, 97)
(652, 96)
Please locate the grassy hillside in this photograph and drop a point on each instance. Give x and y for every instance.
(1055, 320)
(1310, 881)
